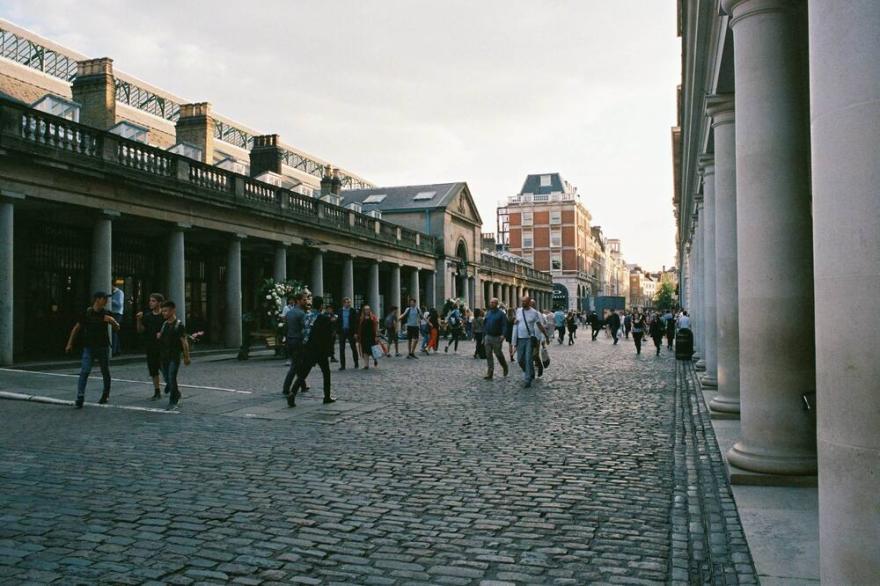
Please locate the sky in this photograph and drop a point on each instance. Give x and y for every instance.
(405, 92)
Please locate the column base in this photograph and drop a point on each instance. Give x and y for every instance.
(724, 404)
(707, 381)
(700, 364)
(755, 459)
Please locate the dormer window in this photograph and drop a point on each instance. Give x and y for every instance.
(377, 198)
(424, 195)
(545, 181)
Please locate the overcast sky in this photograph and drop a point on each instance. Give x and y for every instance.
(406, 92)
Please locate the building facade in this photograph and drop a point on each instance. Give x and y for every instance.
(777, 209)
(548, 225)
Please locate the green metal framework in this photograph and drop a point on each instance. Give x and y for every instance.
(30, 54)
(136, 96)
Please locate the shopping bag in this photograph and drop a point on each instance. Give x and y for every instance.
(377, 351)
(545, 356)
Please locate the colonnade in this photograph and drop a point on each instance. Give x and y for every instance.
(784, 260)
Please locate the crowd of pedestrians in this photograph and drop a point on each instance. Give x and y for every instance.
(313, 331)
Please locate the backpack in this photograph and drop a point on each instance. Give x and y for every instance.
(454, 319)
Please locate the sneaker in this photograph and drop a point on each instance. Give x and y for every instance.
(157, 394)
(328, 400)
(446, 349)
(487, 377)
(397, 354)
(333, 359)
(410, 356)
(172, 407)
(79, 403)
(414, 356)
(291, 402)
(103, 399)
(527, 385)
(343, 368)
(505, 370)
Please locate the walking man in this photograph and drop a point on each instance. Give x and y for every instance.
(595, 325)
(411, 318)
(315, 352)
(93, 324)
(559, 322)
(172, 343)
(346, 326)
(494, 326)
(150, 324)
(296, 320)
(614, 324)
(528, 322)
(117, 308)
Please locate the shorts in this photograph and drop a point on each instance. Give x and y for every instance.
(153, 360)
(412, 332)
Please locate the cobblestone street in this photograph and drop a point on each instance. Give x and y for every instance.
(605, 471)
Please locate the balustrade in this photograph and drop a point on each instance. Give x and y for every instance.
(260, 192)
(209, 177)
(143, 157)
(41, 128)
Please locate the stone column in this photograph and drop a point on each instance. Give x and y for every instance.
(710, 313)
(774, 238)
(395, 287)
(698, 288)
(722, 112)
(102, 250)
(279, 272)
(466, 290)
(845, 102)
(431, 288)
(233, 292)
(7, 275)
(177, 269)
(373, 294)
(317, 284)
(414, 290)
(347, 279)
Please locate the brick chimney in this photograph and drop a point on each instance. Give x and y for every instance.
(196, 127)
(266, 155)
(335, 182)
(95, 90)
(327, 181)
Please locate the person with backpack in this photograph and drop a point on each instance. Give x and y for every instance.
(411, 319)
(391, 331)
(316, 350)
(456, 328)
(173, 342)
(95, 345)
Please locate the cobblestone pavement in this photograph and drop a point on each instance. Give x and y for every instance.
(605, 471)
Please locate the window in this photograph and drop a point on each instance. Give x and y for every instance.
(555, 216)
(527, 239)
(545, 181)
(528, 218)
(377, 198)
(424, 195)
(555, 262)
(555, 238)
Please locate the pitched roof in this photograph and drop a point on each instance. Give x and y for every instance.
(402, 198)
(532, 184)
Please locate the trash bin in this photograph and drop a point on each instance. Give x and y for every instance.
(684, 344)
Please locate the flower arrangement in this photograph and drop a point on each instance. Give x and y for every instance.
(274, 295)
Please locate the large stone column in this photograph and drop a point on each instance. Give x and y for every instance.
(233, 292)
(7, 216)
(774, 238)
(279, 272)
(709, 379)
(347, 278)
(727, 332)
(177, 269)
(466, 290)
(102, 251)
(395, 287)
(698, 301)
(373, 292)
(431, 288)
(317, 281)
(845, 101)
(414, 290)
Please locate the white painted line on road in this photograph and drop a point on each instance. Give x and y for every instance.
(124, 380)
(54, 401)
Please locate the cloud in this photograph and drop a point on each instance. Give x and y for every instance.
(409, 91)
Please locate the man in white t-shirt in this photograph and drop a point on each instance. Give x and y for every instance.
(527, 328)
(684, 322)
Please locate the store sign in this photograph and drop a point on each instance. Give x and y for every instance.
(560, 295)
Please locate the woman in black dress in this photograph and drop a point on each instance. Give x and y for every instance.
(367, 334)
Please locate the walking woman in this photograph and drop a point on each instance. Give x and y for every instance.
(477, 329)
(638, 330)
(456, 328)
(657, 329)
(571, 323)
(367, 335)
(433, 329)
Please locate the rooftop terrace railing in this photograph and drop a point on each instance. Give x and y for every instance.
(522, 270)
(42, 133)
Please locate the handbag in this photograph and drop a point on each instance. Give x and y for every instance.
(376, 351)
(545, 356)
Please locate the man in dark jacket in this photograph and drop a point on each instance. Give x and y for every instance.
(614, 324)
(595, 324)
(316, 351)
(346, 325)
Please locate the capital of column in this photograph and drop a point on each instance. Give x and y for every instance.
(110, 214)
(10, 196)
(721, 108)
(739, 10)
(706, 164)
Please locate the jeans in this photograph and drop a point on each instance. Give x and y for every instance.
(493, 346)
(614, 333)
(170, 369)
(560, 332)
(89, 355)
(295, 349)
(525, 357)
(479, 349)
(637, 338)
(349, 336)
(114, 343)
